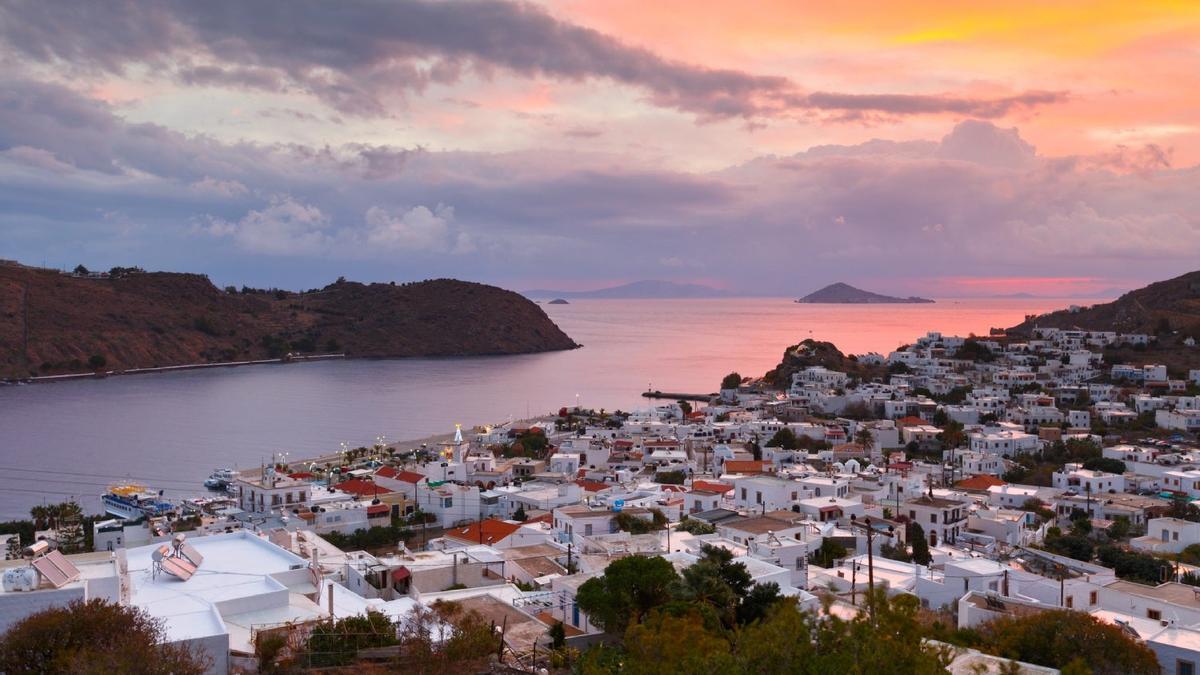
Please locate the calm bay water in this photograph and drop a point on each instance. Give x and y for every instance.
(170, 430)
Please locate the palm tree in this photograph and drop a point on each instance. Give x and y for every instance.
(40, 515)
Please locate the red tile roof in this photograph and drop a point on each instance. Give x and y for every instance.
(911, 420)
(491, 530)
(979, 482)
(711, 486)
(593, 485)
(747, 466)
(361, 487)
(397, 474)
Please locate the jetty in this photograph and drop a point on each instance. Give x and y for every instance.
(294, 358)
(675, 396)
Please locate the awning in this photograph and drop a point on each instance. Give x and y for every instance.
(400, 574)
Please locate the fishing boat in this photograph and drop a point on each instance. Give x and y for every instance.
(132, 501)
(220, 479)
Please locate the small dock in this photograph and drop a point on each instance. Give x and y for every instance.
(676, 396)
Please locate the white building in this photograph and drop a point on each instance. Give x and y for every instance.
(1075, 477)
(1167, 535)
(1179, 420)
(1003, 442)
(765, 493)
(942, 519)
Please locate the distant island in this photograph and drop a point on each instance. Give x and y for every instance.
(845, 294)
(637, 290)
(54, 323)
(558, 301)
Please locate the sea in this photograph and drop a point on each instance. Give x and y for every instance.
(170, 430)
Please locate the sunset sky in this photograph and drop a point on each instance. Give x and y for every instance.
(942, 148)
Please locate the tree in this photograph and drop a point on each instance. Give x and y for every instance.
(1134, 566)
(670, 477)
(784, 438)
(95, 637)
(336, 643)
(81, 270)
(558, 635)
(667, 643)
(864, 437)
(1056, 638)
(793, 641)
(920, 545)
(97, 361)
(693, 526)
(719, 582)
(1106, 464)
(71, 537)
(1190, 554)
(830, 551)
(897, 551)
(1183, 509)
(684, 407)
(12, 549)
(520, 514)
(1120, 528)
(731, 381)
(627, 591)
(758, 602)
(952, 435)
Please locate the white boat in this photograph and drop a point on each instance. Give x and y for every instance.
(220, 479)
(132, 501)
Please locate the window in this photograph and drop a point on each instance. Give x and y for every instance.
(1174, 536)
(1070, 602)
(933, 518)
(447, 502)
(1154, 615)
(1185, 667)
(743, 493)
(1092, 598)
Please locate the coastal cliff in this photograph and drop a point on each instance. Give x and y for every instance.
(52, 323)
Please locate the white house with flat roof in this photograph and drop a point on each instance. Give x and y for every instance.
(1167, 535)
(1186, 481)
(1003, 442)
(1074, 477)
(765, 493)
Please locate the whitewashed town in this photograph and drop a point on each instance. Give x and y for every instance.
(982, 478)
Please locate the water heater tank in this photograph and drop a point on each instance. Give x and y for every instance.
(20, 579)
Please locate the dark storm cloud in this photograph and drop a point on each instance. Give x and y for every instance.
(352, 54)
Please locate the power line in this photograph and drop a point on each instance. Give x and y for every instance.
(91, 474)
(101, 483)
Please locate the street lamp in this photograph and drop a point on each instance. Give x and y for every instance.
(871, 558)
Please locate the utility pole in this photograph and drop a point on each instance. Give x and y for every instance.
(871, 559)
(854, 584)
